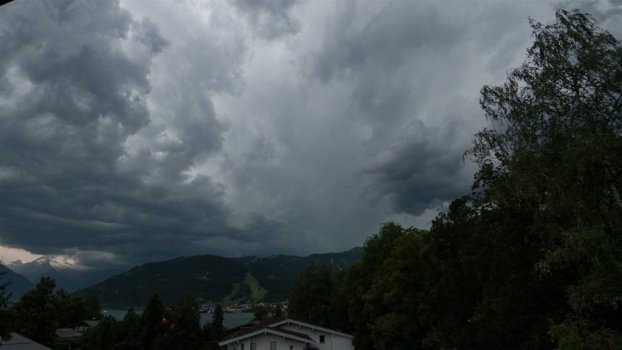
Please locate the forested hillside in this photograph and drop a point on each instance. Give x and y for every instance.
(212, 278)
(16, 283)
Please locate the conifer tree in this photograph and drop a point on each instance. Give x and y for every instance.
(217, 329)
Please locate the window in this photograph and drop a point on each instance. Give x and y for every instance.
(322, 340)
(291, 347)
(272, 345)
(253, 346)
(242, 346)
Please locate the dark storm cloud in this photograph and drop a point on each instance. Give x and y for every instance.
(386, 40)
(269, 19)
(74, 174)
(422, 170)
(140, 130)
(404, 67)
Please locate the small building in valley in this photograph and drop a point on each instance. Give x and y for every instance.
(288, 334)
(76, 329)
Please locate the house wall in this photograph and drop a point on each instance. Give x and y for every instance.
(263, 343)
(331, 341)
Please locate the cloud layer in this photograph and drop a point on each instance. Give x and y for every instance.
(136, 131)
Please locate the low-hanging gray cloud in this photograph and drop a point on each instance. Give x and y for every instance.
(85, 164)
(136, 131)
(409, 88)
(269, 19)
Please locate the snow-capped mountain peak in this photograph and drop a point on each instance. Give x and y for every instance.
(60, 262)
(53, 263)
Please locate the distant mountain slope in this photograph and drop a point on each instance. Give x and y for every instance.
(277, 273)
(67, 276)
(212, 278)
(18, 283)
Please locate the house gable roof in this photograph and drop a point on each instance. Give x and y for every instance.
(310, 326)
(86, 323)
(268, 330)
(67, 333)
(19, 342)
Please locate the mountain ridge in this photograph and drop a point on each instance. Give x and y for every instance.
(67, 275)
(17, 284)
(212, 278)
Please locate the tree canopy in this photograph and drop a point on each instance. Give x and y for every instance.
(39, 312)
(217, 329)
(532, 258)
(555, 156)
(34, 315)
(5, 331)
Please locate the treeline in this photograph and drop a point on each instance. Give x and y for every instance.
(532, 258)
(158, 328)
(40, 312)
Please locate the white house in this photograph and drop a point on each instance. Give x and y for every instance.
(289, 335)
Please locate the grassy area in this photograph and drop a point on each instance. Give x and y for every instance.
(234, 291)
(257, 291)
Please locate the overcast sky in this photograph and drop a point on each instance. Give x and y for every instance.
(138, 130)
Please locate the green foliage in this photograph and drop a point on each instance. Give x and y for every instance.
(131, 325)
(260, 312)
(39, 312)
(102, 337)
(278, 312)
(312, 295)
(181, 329)
(176, 327)
(532, 259)
(352, 300)
(216, 329)
(5, 331)
(557, 159)
(152, 321)
(479, 285)
(71, 310)
(395, 294)
(362, 309)
(34, 315)
(211, 278)
(580, 333)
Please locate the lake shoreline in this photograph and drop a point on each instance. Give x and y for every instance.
(231, 319)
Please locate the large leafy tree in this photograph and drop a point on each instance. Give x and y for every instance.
(396, 293)
(4, 315)
(482, 290)
(131, 325)
(346, 300)
(182, 329)
(312, 294)
(72, 309)
(34, 315)
(362, 307)
(102, 337)
(532, 259)
(554, 155)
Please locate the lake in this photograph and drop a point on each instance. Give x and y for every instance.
(231, 319)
